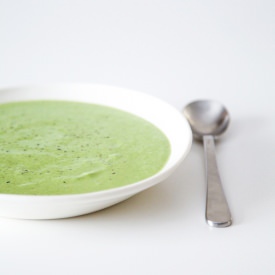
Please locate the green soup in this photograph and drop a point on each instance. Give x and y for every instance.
(60, 147)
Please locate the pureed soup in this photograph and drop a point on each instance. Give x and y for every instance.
(62, 147)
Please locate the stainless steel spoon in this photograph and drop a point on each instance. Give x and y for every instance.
(209, 119)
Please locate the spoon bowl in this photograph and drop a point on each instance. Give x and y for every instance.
(207, 118)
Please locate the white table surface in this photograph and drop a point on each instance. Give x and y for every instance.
(178, 51)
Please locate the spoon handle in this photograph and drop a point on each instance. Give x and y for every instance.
(217, 210)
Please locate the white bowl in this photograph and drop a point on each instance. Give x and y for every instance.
(162, 115)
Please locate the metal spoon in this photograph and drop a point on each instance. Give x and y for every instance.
(209, 119)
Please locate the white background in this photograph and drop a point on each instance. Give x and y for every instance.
(178, 51)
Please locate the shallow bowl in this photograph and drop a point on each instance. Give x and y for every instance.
(159, 113)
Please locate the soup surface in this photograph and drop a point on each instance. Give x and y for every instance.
(62, 147)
